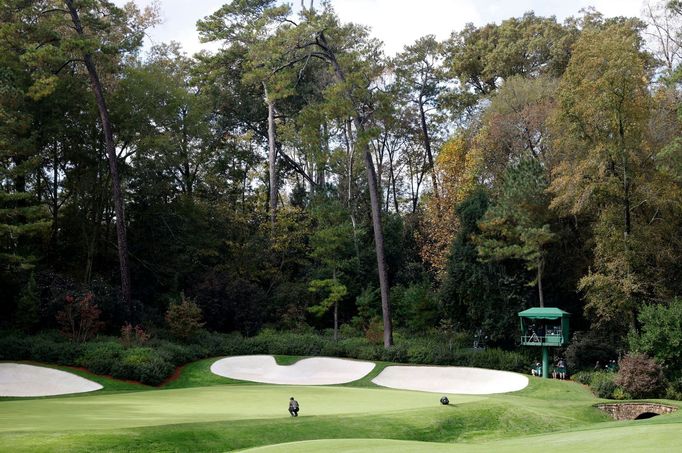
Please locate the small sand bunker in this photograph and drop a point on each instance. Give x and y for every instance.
(312, 371)
(28, 380)
(466, 381)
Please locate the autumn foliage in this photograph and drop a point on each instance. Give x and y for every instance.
(79, 318)
(640, 376)
(457, 167)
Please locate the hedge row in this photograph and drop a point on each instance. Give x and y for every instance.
(154, 361)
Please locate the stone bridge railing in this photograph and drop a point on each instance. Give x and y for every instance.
(634, 411)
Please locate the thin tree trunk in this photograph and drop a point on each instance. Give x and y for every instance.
(375, 201)
(336, 321)
(626, 196)
(392, 184)
(121, 235)
(188, 182)
(351, 207)
(336, 313)
(322, 164)
(541, 268)
(378, 242)
(54, 195)
(427, 146)
(272, 157)
(375, 204)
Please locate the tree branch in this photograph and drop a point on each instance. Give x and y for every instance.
(74, 60)
(294, 165)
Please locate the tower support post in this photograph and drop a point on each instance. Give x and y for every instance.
(545, 362)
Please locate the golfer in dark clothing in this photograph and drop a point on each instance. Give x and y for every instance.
(293, 407)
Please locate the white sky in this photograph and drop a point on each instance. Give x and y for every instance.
(396, 22)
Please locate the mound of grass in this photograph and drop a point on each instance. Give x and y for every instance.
(661, 437)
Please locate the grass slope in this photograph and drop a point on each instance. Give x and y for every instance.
(623, 438)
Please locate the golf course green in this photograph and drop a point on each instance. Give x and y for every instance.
(203, 412)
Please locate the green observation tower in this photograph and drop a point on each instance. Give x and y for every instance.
(545, 327)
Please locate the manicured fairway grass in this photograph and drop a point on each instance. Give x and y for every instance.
(202, 412)
(204, 404)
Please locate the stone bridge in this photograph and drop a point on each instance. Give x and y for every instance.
(635, 411)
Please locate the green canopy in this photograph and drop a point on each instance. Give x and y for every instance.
(543, 313)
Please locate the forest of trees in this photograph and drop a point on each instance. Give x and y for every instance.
(300, 178)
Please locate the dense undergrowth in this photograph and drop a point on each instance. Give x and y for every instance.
(155, 360)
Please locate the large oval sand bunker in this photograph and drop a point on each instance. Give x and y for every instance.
(28, 380)
(467, 381)
(312, 371)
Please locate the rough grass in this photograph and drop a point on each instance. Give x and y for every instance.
(202, 412)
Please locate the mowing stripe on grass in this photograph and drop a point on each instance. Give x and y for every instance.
(217, 403)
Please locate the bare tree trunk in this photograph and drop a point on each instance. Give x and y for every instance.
(336, 321)
(427, 146)
(336, 312)
(347, 132)
(322, 164)
(541, 268)
(119, 207)
(54, 199)
(272, 157)
(392, 183)
(374, 197)
(378, 242)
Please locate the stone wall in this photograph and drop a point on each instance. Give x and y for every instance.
(630, 411)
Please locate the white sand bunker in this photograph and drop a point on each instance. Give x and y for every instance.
(312, 371)
(28, 380)
(467, 381)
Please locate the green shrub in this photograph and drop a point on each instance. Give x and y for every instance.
(660, 335)
(349, 331)
(45, 348)
(101, 357)
(620, 394)
(427, 351)
(144, 365)
(176, 353)
(184, 319)
(14, 346)
(369, 352)
(673, 390)
(602, 384)
(48, 347)
(584, 377)
(640, 376)
(498, 359)
(396, 353)
(350, 347)
(232, 344)
(333, 349)
(214, 344)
